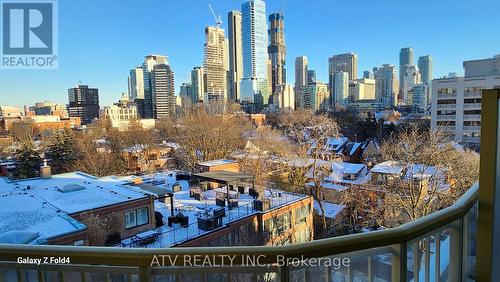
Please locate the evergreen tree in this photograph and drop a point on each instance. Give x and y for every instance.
(28, 161)
(62, 152)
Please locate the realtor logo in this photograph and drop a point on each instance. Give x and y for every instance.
(29, 34)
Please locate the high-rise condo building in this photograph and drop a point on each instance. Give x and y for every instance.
(315, 96)
(163, 91)
(341, 90)
(197, 84)
(284, 97)
(311, 76)
(456, 101)
(83, 103)
(301, 72)
(368, 75)
(254, 90)
(387, 85)
(405, 60)
(348, 63)
(149, 62)
(417, 98)
(425, 65)
(136, 84)
(277, 50)
(235, 55)
(411, 77)
(214, 64)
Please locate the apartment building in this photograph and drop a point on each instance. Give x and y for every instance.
(456, 101)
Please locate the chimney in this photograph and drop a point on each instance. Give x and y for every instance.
(45, 171)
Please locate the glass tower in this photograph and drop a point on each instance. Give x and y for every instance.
(255, 84)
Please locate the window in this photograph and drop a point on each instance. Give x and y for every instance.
(301, 214)
(472, 112)
(446, 123)
(142, 216)
(446, 101)
(130, 220)
(136, 218)
(446, 113)
(447, 90)
(473, 101)
(474, 89)
(472, 123)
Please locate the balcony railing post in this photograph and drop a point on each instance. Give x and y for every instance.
(145, 274)
(403, 262)
(396, 263)
(488, 248)
(285, 273)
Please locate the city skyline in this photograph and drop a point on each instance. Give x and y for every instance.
(106, 63)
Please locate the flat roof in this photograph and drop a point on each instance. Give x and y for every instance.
(191, 207)
(217, 162)
(224, 176)
(388, 167)
(23, 214)
(96, 193)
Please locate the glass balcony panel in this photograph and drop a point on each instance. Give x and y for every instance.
(164, 278)
(470, 244)
(72, 276)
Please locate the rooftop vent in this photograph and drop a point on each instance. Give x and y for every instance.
(72, 187)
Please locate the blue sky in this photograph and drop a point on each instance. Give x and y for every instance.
(101, 40)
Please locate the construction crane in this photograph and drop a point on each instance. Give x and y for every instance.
(218, 20)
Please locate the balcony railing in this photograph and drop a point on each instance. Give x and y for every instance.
(437, 247)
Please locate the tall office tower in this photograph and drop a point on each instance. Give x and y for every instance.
(214, 64)
(456, 101)
(347, 62)
(311, 76)
(284, 97)
(301, 72)
(83, 103)
(277, 49)
(341, 90)
(136, 84)
(254, 90)
(425, 68)
(368, 75)
(197, 84)
(387, 85)
(149, 62)
(163, 91)
(411, 77)
(186, 89)
(235, 54)
(405, 59)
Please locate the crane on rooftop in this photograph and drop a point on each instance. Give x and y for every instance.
(218, 20)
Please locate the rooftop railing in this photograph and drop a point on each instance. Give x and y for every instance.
(437, 247)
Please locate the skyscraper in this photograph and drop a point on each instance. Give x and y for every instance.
(149, 62)
(341, 89)
(425, 68)
(301, 72)
(83, 103)
(348, 63)
(136, 84)
(163, 91)
(311, 76)
(277, 50)
(235, 55)
(387, 85)
(411, 77)
(214, 63)
(197, 84)
(254, 88)
(405, 60)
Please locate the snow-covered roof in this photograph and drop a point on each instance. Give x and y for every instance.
(96, 193)
(351, 168)
(388, 167)
(216, 162)
(22, 213)
(331, 210)
(336, 144)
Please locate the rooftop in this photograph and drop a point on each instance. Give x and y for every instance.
(388, 167)
(216, 162)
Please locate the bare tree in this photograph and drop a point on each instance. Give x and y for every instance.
(311, 131)
(202, 136)
(435, 173)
